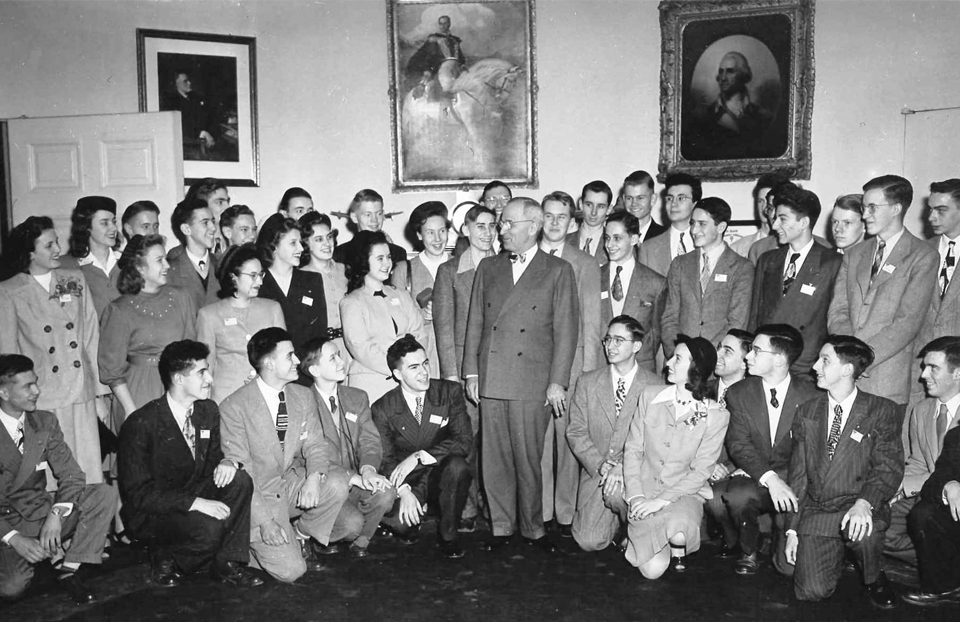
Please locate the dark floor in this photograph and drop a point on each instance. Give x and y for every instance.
(400, 582)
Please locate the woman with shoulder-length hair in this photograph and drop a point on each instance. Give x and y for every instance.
(47, 314)
(375, 315)
(672, 447)
(300, 293)
(226, 326)
(320, 242)
(94, 238)
(136, 327)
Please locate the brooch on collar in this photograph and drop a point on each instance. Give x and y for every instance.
(66, 288)
(699, 414)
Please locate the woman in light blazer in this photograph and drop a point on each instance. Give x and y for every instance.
(673, 445)
(375, 315)
(227, 326)
(47, 314)
(428, 229)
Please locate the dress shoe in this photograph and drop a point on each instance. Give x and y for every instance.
(309, 557)
(747, 564)
(358, 552)
(164, 573)
(451, 549)
(543, 543)
(931, 599)
(566, 531)
(233, 573)
(495, 543)
(881, 593)
(728, 552)
(467, 525)
(678, 564)
(75, 588)
(326, 549)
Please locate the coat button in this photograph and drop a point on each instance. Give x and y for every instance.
(47, 329)
(56, 369)
(523, 330)
(76, 364)
(69, 325)
(52, 350)
(519, 353)
(73, 344)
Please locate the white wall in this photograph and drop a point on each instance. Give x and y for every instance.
(322, 78)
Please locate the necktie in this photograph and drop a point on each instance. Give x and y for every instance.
(586, 245)
(19, 439)
(189, 433)
(203, 268)
(773, 399)
(282, 418)
(333, 413)
(948, 262)
(834, 439)
(418, 413)
(618, 285)
(704, 273)
(553, 251)
(941, 424)
(878, 258)
(723, 399)
(379, 294)
(682, 247)
(791, 274)
(621, 395)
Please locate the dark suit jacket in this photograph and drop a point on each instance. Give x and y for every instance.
(946, 470)
(653, 231)
(304, 306)
(868, 463)
(183, 274)
(748, 435)
(599, 253)
(444, 431)
(644, 297)
(806, 303)
(157, 473)
(522, 338)
(360, 445)
(24, 500)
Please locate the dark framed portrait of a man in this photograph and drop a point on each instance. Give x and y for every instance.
(737, 88)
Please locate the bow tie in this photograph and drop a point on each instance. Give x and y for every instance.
(380, 294)
(514, 257)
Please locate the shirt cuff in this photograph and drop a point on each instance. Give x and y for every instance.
(469, 376)
(791, 531)
(67, 509)
(403, 487)
(367, 466)
(426, 459)
(766, 478)
(943, 493)
(9, 536)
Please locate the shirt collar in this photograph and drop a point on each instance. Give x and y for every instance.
(267, 390)
(627, 264)
(44, 280)
(195, 259)
(714, 254)
(528, 254)
(951, 404)
(90, 260)
(781, 388)
(804, 251)
(546, 247)
(179, 412)
(847, 403)
(945, 242)
(10, 422)
(892, 241)
(628, 377)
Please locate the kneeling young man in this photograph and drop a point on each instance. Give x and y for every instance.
(180, 495)
(426, 438)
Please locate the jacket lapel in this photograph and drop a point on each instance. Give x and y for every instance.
(263, 422)
(864, 262)
(431, 408)
(168, 429)
(34, 444)
(847, 445)
(10, 458)
(790, 405)
(607, 396)
(295, 415)
(405, 422)
(774, 280)
(528, 280)
(761, 416)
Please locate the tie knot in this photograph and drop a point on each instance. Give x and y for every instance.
(950, 245)
(379, 294)
(880, 243)
(838, 410)
(283, 398)
(794, 257)
(333, 404)
(942, 411)
(619, 270)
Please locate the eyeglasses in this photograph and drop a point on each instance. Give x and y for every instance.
(497, 201)
(871, 208)
(680, 198)
(508, 224)
(756, 350)
(617, 341)
(254, 275)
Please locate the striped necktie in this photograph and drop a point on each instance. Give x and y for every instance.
(948, 263)
(19, 439)
(878, 258)
(704, 273)
(621, 395)
(282, 421)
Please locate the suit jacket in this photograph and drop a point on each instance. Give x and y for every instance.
(643, 300)
(771, 242)
(522, 337)
(586, 272)
(358, 443)
(868, 463)
(920, 444)
(947, 469)
(599, 252)
(157, 473)
(304, 305)
(888, 313)
(805, 304)
(748, 437)
(595, 432)
(248, 435)
(653, 231)
(942, 317)
(724, 305)
(656, 253)
(451, 307)
(182, 274)
(444, 430)
(24, 500)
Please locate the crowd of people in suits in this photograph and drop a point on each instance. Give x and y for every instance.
(258, 396)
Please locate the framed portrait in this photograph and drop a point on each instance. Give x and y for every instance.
(462, 93)
(736, 88)
(212, 80)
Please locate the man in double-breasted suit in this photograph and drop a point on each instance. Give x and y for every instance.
(179, 494)
(681, 193)
(627, 287)
(561, 477)
(762, 409)
(927, 422)
(520, 343)
(193, 265)
(271, 426)
(604, 403)
(426, 440)
(355, 442)
(793, 284)
(451, 309)
(708, 291)
(34, 523)
(884, 289)
(846, 465)
(595, 203)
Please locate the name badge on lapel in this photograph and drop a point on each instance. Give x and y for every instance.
(230, 321)
(604, 295)
(307, 300)
(855, 435)
(42, 466)
(808, 289)
(436, 419)
(66, 298)
(204, 433)
(888, 268)
(720, 278)
(351, 417)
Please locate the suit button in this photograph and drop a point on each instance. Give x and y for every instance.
(47, 329)
(73, 344)
(661, 463)
(494, 328)
(52, 350)
(701, 322)
(667, 444)
(69, 325)
(519, 353)
(76, 364)
(55, 369)
(523, 330)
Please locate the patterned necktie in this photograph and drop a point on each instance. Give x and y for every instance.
(948, 262)
(19, 439)
(704, 273)
(773, 399)
(723, 398)
(878, 258)
(618, 285)
(941, 424)
(333, 412)
(621, 395)
(791, 274)
(834, 439)
(282, 418)
(189, 433)
(586, 245)
(682, 247)
(418, 412)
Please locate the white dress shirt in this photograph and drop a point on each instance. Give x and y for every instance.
(891, 243)
(803, 256)
(432, 263)
(846, 405)
(951, 405)
(272, 397)
(519, 266)
(195, 260)
(89, 260)
(713, 256)
(627, 378)
(595, 237)
(675, 241)
(180, 414)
